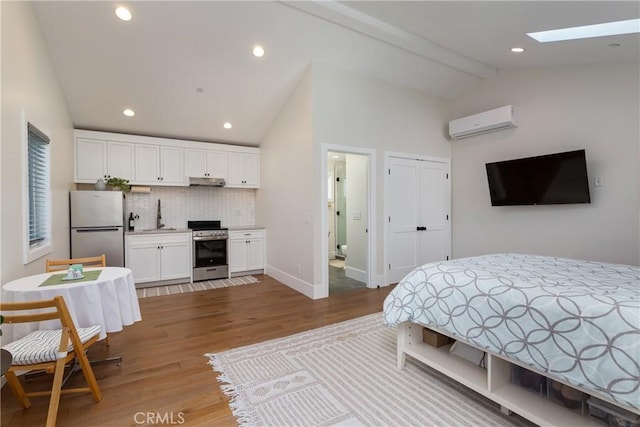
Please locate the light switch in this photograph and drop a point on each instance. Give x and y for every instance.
(357, 216)
(597, 181)
(306, 218)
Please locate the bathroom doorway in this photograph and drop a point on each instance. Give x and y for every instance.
(347, 220)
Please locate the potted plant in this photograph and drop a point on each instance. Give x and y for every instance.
(119, 183)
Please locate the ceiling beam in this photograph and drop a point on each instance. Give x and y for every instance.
(354, 20)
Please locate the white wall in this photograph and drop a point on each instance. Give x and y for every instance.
(29, 83)
(357, 216)
(561, 109)
(336, 107)
(351, 109)
(285, 194)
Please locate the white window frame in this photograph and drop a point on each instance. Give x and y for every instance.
(44, 247)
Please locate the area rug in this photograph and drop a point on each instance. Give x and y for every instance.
(194, 287)
(345, 375)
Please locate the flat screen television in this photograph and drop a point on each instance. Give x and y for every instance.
(559, 178)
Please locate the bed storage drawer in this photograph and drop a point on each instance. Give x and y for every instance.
(530, 380)
(607, 413)
(572, 399)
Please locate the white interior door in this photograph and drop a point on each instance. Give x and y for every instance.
(419, 204)
(357, 217)
(433, 196)
(403, 218)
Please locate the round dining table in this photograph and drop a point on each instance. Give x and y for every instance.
(109, 300)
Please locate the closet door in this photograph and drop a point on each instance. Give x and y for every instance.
(419, 204)
(433, 193)
(403, 218)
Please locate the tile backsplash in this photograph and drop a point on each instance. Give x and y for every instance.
(232, 206)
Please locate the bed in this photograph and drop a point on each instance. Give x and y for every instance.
(571, 320)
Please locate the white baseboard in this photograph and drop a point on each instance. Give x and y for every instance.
(355, 274)
(381, 281)
(314, 292)
(295, 283)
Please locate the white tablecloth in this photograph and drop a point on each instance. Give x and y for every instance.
(109, 301)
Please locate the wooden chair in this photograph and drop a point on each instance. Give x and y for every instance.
(63, 264)
(49, 350)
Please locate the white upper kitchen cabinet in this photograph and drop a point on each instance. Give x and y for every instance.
(158, 165)
(147, 169)
(102, 159)
(172, 165)
(146, 160)
(244, 170)
(200, 163)
(91, 160)
(119, 160)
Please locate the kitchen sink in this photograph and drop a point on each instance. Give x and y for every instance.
(159, 229)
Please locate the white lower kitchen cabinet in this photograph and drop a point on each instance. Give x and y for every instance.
(246, 252)
(162, 257)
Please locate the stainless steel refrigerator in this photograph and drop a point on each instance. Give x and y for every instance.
(97, 225)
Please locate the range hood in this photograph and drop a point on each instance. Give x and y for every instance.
(206, 182)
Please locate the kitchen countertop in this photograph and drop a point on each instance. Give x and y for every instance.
(245, 227)
(188, 230)
(168, 230)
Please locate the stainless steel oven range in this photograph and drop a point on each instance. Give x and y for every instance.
(209, 250)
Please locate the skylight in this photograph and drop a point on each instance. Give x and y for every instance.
(630, 26)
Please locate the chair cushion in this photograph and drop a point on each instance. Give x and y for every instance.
(42, 346)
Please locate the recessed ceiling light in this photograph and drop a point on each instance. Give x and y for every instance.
(517, 49)
(123, 13)
(129, 112)
(258, 51)
(630, 26)
(227, 125)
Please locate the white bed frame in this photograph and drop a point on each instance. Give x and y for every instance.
(494, 382)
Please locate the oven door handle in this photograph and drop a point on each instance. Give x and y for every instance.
(207, 239)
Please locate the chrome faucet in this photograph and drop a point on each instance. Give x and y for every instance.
(159, 225)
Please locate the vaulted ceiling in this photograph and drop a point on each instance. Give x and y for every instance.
(185, 67)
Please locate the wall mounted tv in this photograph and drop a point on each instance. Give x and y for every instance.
(559, 178)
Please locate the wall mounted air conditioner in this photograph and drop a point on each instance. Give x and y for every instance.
(488, 121)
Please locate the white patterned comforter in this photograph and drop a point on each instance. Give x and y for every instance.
(576, 320)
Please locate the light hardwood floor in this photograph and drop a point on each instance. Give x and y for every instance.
(164, 372)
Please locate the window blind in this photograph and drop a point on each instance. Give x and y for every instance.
(39, 210)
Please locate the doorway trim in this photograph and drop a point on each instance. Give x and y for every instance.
(371, 217)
